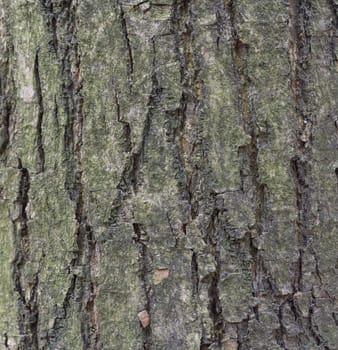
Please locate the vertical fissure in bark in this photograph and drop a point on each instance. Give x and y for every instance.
(39, 137)
(6, 110)
(124, 26)
(172, 230)
(189, 155)
(56, 116)
(333, 55)
(299, 12)
(194, 274)
(140, 239)
(28, 306)
(215, 305)
(89, 287)
(333, 31)
(240, 53)
(6, 341)
(301, 170)
(137, 158)
(7, 88)
(86, 255)
(280, 333)
(88, 249)
(51, 22)
(242, 334)
(135, 181)
(183, 134)
(297, 317)
(70, 91)
(130, 183)
(126, 126)
(299, 174)
(203, 344)
(130, 178)
(312, 326)
(299, 53)
(62, 313)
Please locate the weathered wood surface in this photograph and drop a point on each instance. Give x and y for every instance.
(168, 174)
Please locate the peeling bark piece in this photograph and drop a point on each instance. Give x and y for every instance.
(160, 275)
(144, 318)
(231, 344)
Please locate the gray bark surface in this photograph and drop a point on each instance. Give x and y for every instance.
(168, 174)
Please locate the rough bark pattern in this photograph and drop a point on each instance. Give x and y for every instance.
(168, 174)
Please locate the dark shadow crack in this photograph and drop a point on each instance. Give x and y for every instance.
(129, 185)
(280, 333)
(333, 42)
(242, 334)
(59, 320)
(130, 177)
(314, 331)
(39, 137)
(6, 345)
(51, 23)
(299, 54)
(83, 288)
(28, 306)
(140, 238)
(182, 133)
(126, 126)
(194, 275)
(300, 164)
(129, 50)
(249, 152)
(299, 172)
(215, 305)
(56, 116)
(7, 87)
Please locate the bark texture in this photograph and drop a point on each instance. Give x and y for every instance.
(168, 174)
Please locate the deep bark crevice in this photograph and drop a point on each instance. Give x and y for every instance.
(7, 87)
(281, 332)
(126, 126)
(130, 179)
(190, 163)
(300, 166)
(58, 324)
(299, 53)
(85, 287)
(130, 61)
(6, 341)
(194, 275)
(133, 180)
(215, 305)
(182, 135)
(249, 153)
(333, 32)
(39, 135)
(51, 22)
(242, 334)
(299, 170)
(28, 305)
(145, 259)
(56, 116)
(129, 184)
(312, 326)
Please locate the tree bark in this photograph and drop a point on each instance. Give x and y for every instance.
(169, 174)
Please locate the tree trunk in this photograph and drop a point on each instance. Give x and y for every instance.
(168, 174)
